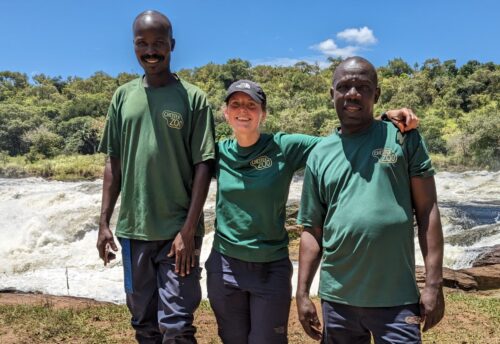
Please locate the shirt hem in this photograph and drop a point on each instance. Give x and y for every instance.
(354, 303)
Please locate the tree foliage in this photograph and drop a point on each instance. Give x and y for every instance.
(459, 105)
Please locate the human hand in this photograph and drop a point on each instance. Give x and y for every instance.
(404, 119)
(106, 243)
(184, 252)
(308, 317)
(431, 306)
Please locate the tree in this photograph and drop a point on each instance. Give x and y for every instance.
(43, 142)
(81, 134)
(396, 67)
(235, 69)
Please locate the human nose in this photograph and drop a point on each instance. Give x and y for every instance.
(243, 109)
(150, 50)
(352, 93)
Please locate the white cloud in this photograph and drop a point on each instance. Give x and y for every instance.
(359, 38)
(329, 48)
(362, 36)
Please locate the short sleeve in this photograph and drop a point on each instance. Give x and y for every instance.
(296, 148)
(312, 210)
(111, 139)
(203, 135)
(419, 161)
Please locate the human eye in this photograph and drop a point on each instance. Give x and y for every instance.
(251, 106)
(140, 44)
(341, 88)
(159, 44)
(364, 88)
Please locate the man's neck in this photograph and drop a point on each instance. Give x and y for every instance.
(353, 129)
(159, 79)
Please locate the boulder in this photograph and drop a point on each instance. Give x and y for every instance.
(458, 279)
(490, 257)
(487, 277)
(475, 278)
(451, 279)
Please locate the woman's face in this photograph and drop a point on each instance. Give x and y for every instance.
(244, 114)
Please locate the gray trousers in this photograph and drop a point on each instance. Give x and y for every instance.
(344, 324)
(251, 301)
(161, 302)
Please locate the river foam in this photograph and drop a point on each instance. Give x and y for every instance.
(48, 232)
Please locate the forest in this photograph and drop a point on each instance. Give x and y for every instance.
(43, 117)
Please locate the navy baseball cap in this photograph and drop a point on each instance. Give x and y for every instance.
(248, 87)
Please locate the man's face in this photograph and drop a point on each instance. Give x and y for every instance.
(354, 94)
(152, 45)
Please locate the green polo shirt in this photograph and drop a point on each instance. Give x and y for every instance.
(158, 134)
(357, 188)
(253, 184)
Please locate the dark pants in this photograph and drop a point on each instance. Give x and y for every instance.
(345, 324)
(251, 301)
(161, 302)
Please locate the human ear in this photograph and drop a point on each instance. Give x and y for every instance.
(377, 94)
(331, 98)
(263, 116)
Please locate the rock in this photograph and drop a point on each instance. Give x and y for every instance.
(475, 278)
(487, 277)
(451, 279)
(490, 257)
(457, 279)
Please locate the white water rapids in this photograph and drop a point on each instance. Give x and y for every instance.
(48, 232)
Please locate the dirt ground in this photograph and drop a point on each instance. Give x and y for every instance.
(461, 321)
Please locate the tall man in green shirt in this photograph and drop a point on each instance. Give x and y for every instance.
(361, 187)
(159, 138)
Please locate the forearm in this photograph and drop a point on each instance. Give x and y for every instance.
(110, 189)
(309, 259)
(201, 184)
(431, 244)
(430, 233)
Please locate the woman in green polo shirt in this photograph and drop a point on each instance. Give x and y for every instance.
(248, 271)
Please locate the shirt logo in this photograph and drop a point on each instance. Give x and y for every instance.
(385, 155)
(174, 119)
(261, 162)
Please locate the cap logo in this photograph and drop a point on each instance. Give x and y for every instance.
(245, 85)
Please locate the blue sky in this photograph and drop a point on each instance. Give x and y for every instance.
(69, 37)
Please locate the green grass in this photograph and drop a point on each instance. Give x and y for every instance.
(46, 324)
(62, 167)
(469, 319)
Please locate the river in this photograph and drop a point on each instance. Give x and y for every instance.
(48, 231)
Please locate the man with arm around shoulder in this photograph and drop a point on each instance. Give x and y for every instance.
(361, 187)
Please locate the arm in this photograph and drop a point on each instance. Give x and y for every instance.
(183, 246)
(309, 259)
(430, 236)
(110, 191)
(403, 118)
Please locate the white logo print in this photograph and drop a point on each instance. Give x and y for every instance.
(385, 155)
(245, 85)
(261, 162)
(174, 119)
